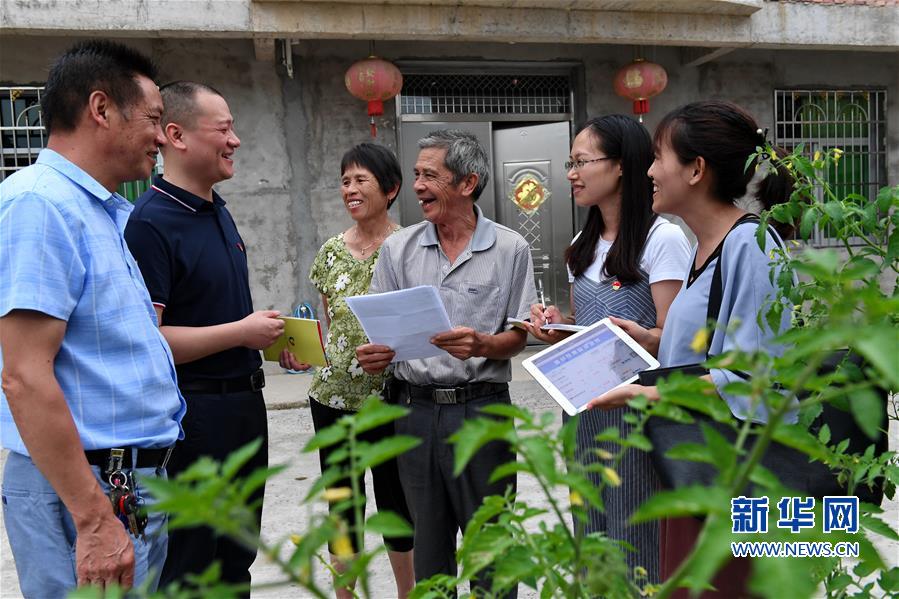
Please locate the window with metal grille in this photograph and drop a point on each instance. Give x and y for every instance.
(22, 135)
(485, 94)
(852, 120)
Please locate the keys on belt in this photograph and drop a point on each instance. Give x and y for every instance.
(127, 504)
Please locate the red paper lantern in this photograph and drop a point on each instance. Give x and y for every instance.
(374, 80)
(640, 81)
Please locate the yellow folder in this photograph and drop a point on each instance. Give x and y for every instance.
(303, 337)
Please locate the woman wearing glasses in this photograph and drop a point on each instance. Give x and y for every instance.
(704, 154)
(626, 263)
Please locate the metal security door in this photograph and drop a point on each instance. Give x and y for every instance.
(533, 197)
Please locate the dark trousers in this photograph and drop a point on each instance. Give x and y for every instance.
(385, 477)
(441, 503)
(215, 425)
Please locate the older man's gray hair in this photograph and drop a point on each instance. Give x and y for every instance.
(464, 155)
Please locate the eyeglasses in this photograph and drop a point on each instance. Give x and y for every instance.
(579, 163)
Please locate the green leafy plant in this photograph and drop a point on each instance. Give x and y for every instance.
(846, 297)
(211, 494)
(537, 545)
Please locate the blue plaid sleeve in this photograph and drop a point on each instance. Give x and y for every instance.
(40, 264)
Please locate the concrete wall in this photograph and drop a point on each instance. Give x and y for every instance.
(286, 197)
(705, 23)
(259, 196)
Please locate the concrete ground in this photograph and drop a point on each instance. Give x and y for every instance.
(290, 427)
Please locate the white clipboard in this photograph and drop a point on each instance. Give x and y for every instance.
(588, 364)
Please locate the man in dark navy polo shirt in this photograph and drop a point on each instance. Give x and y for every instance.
(194, 263)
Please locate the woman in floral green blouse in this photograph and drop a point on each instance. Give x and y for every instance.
(370, 182)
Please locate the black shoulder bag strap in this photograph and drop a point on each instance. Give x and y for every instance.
(716, 290)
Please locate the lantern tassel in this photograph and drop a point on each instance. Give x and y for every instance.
(641, 107)
(374, 128)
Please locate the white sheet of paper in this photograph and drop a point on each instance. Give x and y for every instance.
(403, 320)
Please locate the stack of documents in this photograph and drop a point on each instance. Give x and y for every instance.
(403, 320)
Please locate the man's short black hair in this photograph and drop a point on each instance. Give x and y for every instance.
(93, 65)
(179, 100)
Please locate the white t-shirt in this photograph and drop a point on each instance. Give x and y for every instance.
(666, 255)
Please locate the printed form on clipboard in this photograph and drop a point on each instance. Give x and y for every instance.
(588, 364)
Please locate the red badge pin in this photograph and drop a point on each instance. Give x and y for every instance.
(616, 285)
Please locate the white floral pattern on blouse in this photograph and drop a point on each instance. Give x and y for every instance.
(337, 274)
(342, 281)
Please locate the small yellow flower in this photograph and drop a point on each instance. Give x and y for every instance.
(336, 494)
(575, 498)
(817, 155)
(612, 476)
(603, 454)
(700, 341)
(296, 539)
(774, 154)
(837, 154)
(640, 571)
(342, 546)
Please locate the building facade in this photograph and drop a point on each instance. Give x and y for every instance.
(521, 74)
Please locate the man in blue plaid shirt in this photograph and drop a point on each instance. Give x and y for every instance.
(85, 368)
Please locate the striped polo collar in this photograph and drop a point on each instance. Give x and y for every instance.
(192, 202)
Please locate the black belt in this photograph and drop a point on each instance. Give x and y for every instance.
(146, 458)
(253, 382)
(455, 395)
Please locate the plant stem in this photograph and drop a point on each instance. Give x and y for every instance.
(555, 507)
(358, 501)
(754, 457)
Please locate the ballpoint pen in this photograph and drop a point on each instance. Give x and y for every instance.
(542, 297)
